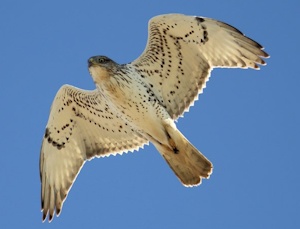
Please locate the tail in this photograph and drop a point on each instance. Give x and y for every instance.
(189, 165)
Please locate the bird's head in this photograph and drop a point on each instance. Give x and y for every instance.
(101, 68)
(101, 61)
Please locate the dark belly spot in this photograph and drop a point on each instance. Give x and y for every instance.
(175, 150)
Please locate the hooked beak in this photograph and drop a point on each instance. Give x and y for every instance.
(91, 62)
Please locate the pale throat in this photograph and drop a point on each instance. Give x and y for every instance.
(107, 83)
(99, 74)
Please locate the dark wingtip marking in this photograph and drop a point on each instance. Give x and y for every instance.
(50, 217)
(200, 19)
(44, 217)
(265, 55)
(58, 211)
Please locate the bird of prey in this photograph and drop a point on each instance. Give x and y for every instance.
(137, 103)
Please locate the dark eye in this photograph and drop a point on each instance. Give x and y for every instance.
(102, 60)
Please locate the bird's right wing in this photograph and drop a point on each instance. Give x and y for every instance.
(81, 126)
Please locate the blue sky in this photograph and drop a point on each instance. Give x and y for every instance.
(246, 122)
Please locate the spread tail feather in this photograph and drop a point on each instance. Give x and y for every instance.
(189, 165)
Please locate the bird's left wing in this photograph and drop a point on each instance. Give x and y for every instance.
(81, 126)
(181, 52)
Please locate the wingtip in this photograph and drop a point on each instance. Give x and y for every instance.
(264, 53)
(261, 62)
(44, 217)
(58, 210)
(49, 215)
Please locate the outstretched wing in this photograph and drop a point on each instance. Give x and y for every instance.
(181, 52)
(81, 126)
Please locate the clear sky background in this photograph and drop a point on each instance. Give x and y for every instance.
(246, 122)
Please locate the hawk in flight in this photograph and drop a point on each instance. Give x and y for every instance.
(137, 103)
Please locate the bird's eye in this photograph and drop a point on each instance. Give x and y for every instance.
(102, 60)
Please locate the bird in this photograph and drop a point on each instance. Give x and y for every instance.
(138, 103)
